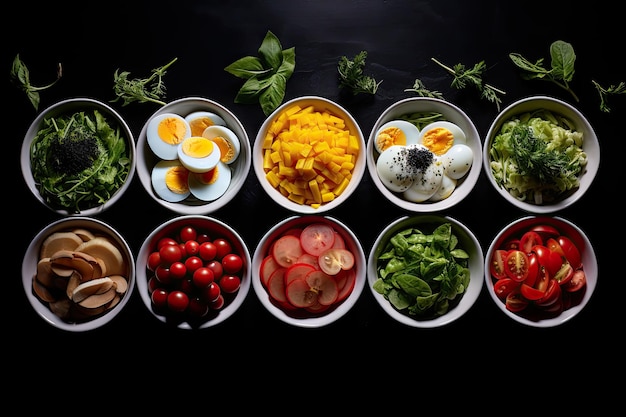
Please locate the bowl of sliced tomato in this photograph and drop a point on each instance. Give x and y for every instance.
(309, 270)
(541, 271)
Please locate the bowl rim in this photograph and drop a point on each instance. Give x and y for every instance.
(568, 228)
(452, 113)
(163, 229)
(243, 162)
(564, 109)
(29, 268)
(468, 299)
(72, 105)
(357, 173)
(346, 305)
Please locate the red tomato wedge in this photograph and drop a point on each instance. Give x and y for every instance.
(545, 231)
(317, 238)
(496, 266)
(529, 240)
(334, 260)
(516, 265)
(286, 250)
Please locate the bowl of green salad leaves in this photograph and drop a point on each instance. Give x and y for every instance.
(541, 154)
(78, 157)
(426, 270)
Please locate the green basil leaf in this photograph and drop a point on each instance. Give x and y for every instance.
(271, 51)
(273, 95)
(246, 67)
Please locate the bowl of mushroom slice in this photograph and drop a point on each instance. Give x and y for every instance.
(78, 273)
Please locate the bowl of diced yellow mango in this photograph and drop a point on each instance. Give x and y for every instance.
(309, 155)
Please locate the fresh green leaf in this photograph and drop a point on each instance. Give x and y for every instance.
(352, 77)
(20, 76)
(142, 90)
(247, 67)
(562, 66)
(266, 76)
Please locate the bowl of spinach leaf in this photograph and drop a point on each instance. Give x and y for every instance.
(541, 154)
(78, 157)
(426, 270)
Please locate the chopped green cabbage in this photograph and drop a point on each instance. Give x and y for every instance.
(538, 157)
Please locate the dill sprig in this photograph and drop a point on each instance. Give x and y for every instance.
(351, 75)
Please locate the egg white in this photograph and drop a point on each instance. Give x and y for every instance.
(210, 192)
(458, 161)
(391, 169)
(446, 189)
(200, 120)
(227, 140)
(404, 128)
(159, 185)
(160, 146)
(427, 184)
(198, 163)
(457, 133)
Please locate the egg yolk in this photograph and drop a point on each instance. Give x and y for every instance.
(197, 147)
(176, 179)
(438, 140)
(199, 124)
(171, 131)
(210, 176)
(227, 150)
(390, 136)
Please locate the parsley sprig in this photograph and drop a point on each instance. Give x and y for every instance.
(150, 89)
(352, 76)
(473, 76)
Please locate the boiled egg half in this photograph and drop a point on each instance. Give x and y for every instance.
(210, 185)
(200, 120)
(440, 136)
(165, 132)
(198, 154)
(170, 180)
(396, 132)
(226, 140)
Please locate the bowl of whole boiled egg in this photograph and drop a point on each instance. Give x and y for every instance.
(424, 154)
(193, 156)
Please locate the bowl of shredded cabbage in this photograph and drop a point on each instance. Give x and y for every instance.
(541, 154)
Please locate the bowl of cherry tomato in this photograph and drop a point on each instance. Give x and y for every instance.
(541, 271)
(309, 270)
(193, 272)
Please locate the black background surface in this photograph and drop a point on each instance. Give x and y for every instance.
(400, 38)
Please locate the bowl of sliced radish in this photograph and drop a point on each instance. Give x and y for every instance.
(309, 270)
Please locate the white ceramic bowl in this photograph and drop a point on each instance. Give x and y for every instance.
(451, 113)
(214, 228)
(240, 168)
(426, 223)
(320, 105)
(590, 146)
(76, 323)
(298, 317)
(578, 300)
(68, 107)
